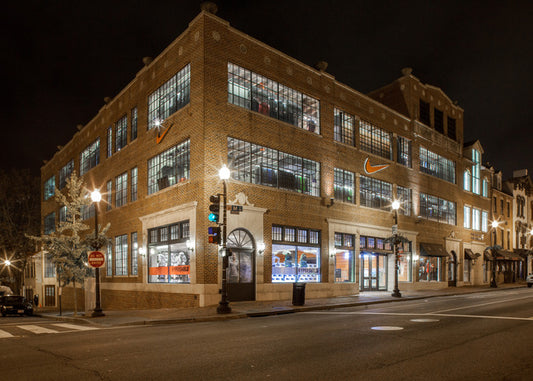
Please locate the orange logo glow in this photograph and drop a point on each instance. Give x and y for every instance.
(370, 169)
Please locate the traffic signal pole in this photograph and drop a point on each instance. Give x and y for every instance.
(223, 305)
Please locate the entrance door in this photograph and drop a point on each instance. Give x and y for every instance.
(50, 295)
(241, 266)
(373, 272)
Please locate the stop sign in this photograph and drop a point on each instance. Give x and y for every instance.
(96, 259)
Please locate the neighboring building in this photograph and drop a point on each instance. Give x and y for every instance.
(314, 166)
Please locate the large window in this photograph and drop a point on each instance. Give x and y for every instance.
(295, 254)
(485, 188)
(467, 217)
(133, 124)
(375, 140)
(49, 223)
(404, 151)
(476, 168)
(429, 268)
(436, 165)
(49, 188)
(121, 255)
(438, 118)
(452, 129)
(121, 189)
(374, 193)
(169, 168)
(437, 209)
(405, 196)
(344, 127)
(467, 180)
(109, 194)
(169, 260)
(64, 173)
(90, 157)
(49, 267)
(109, 151)
(109, 260)
(257, 93)
(134, 254)
(170, 97)
(484, 221)
(343, 185)
(424, 113)
(257, 164)
(121, 133)
(344, 257)
(134, 184)
(476, 219)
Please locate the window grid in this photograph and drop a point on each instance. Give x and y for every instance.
(65, 173)
(109, 193)
(109, 261)
(344, 130)
(437, 209)
(436, 165)
(374, 193)
(133, 124)
(49, 188)
(467, 218)
(134, 254)
(90, 157)
(170, 97)
(484, 221)
(134, 184)
(287, 234)
(169, 167)
(343, 185)
(121, 255)
(109, 141)
(405, 196)
(476, 169)
(467, 180)
(121, 189)
(404, 152)
(261, 94)
(121, 133)
(257, 164)
(375, 140)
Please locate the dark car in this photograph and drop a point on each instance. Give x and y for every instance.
(14, 304)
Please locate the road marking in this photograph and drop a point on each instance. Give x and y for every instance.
(75, 327)
(386, 328)
(36, 329)
(4, 334)
(424, 320)
(480, 305)
(421, 314)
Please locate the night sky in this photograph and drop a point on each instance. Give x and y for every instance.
(61, 58)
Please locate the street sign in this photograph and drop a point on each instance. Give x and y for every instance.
(394, 229)
(96, 259)
(235, 209)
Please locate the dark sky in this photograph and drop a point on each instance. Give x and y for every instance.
(61, 58)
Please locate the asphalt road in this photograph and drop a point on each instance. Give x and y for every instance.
(484, 336)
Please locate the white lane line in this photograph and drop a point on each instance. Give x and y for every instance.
(36, 329)
(421, 314)
(480, 305)
(4, 334)
(74, 327)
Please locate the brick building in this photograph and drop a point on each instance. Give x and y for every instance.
(315, 166)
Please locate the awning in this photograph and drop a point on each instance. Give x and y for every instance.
(469, 254)
(504, 255)
(432, 250)
(487, 256)
(523, 252)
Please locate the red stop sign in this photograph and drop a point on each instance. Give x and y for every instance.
(96, 259)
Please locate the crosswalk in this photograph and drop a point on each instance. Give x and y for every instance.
(8, 331)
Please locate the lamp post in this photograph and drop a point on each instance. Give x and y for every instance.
(494, 225)
(96, 197)
(395, 206)
(223, 305)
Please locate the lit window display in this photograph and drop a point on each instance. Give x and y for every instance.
(344, 258)
(295, 263)
(405, 259)
(429, 269)
(169, 260)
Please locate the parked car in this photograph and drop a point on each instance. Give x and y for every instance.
(14, 304)
(529, 280)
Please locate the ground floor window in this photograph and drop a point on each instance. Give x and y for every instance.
(486, 269)
(344, 257)
(429, 268)
(295, 254)
(405, 273)
(169, 260)
(467, 267)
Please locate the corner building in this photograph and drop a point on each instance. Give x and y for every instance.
(315, 166)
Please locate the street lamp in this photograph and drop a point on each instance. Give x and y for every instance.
(223, 305)
(7, 262)
(96, 196)
(395, 206)
(494, 226)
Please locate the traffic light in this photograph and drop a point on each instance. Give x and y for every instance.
(214, 208)
(214, 234)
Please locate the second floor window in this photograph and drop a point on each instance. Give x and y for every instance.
(134, 182)
(121, 133)
(404, 151)
(121, 189)
(436, 165)
(374, 193)
(343, 186)
(405, 196)
(437, 209)
(49, 188)
(90, 157)
(169, 167)
(467, 218)
(64, 173)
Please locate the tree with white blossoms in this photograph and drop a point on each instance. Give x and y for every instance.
(68, 245)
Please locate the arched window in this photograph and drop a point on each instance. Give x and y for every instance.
(467, 181)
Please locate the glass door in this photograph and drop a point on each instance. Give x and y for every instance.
(373, 272)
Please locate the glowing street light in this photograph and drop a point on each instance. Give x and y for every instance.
(96, 196)
(494, 224)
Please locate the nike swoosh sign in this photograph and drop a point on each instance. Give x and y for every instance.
(369, 169)
(160, 136)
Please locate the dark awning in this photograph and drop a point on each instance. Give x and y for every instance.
(504, 255)
(432, 250)
(523, 252)
(469, 254)
(487, 256)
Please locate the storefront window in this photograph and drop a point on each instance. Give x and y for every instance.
(405, 260)
(296, 263)
(169, 260)
(429, 269)
(344, 258)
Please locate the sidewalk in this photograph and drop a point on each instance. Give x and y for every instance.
(258, 308)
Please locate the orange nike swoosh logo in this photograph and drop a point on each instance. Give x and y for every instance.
(162, 135)
(374, 168)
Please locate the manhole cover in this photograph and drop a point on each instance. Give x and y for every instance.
(424, 320)
(387, 328)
